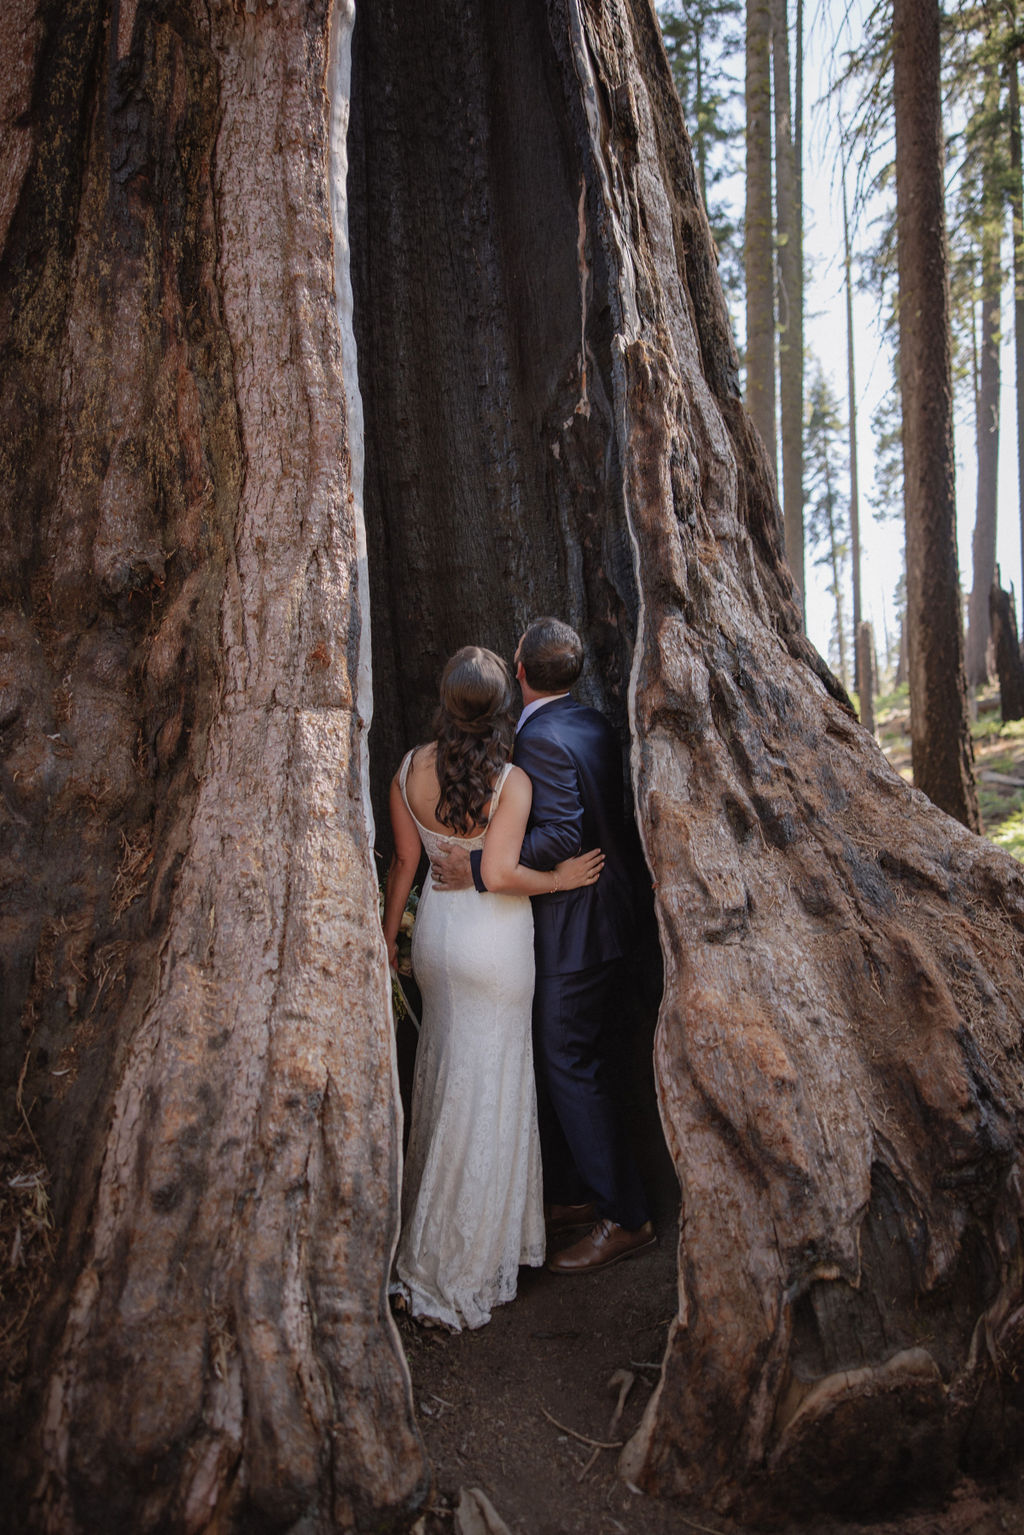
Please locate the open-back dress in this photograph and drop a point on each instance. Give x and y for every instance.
(472, 1207)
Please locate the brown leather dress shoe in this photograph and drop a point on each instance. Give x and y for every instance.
(608, 1243)
(559, 1218)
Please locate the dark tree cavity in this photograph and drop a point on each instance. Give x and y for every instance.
(485, 378)
(547, 417)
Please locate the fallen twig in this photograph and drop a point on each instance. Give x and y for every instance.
(705, 1529)
(624, 1380)
(597, 1444)
(590, 1461)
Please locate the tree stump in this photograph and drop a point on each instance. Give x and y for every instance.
(1006, 646)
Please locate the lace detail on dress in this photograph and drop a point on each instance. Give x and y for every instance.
(472, 1207)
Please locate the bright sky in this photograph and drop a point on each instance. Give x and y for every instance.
(825, 328)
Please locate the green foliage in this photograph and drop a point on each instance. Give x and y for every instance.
(999, 771)
(1009, 835)
(895, 702)
(886, 501)
(703, 38)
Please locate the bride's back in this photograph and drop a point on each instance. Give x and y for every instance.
(422, 791)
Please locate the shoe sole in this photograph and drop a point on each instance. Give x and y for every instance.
(597, 1268)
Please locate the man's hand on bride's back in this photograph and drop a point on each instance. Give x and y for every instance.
(584, 869)
(451, 870)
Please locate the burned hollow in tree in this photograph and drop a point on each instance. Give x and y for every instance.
(549, 383)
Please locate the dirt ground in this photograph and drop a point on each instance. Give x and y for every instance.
(499, 1410)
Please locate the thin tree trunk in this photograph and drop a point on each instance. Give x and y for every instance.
(851, 408)
(983, 542)
(759, 229)
(789, 225)
(836, 566)
(866, 671)
(941, 749)
(1017, 217)
(902, 666)
(700, 136)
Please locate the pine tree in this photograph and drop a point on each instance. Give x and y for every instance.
(827, 505)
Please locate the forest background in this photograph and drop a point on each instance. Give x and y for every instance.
(847, 137)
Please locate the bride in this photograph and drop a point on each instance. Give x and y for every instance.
(471, 1198)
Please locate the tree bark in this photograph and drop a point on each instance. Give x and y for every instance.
(194, 946)
(851, 408)
(866, 673)
(759, 228)
(549, 391)
(983, 541)
(1006, 646)
(941, 750)
(789, 226)
(1016, 199)
(835, 562)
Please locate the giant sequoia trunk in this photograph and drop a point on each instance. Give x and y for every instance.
(548, 388)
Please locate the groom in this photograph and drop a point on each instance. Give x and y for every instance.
(581, 937)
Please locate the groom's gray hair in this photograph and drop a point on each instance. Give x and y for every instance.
(551, 654)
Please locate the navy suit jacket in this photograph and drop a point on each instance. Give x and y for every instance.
(572, 756)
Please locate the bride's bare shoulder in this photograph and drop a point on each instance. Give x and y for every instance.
(517, 784)
(424, 758)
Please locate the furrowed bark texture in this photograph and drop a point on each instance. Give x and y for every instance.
(552, 420)
(840, 1041)
(941, 749)
(192, 937)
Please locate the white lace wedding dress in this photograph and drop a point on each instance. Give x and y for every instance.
(472, 1207)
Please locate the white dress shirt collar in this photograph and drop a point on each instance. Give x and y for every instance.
(538, 703)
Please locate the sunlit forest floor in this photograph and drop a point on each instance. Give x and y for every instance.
(998, 761)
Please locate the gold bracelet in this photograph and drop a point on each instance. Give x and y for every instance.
(556, 886)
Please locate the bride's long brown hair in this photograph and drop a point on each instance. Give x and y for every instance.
(474, 728)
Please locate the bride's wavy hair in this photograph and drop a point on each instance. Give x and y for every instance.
(474, 727)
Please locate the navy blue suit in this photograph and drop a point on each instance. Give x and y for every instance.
(571, 754)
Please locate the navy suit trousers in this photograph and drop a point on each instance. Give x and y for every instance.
(576, 1052)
